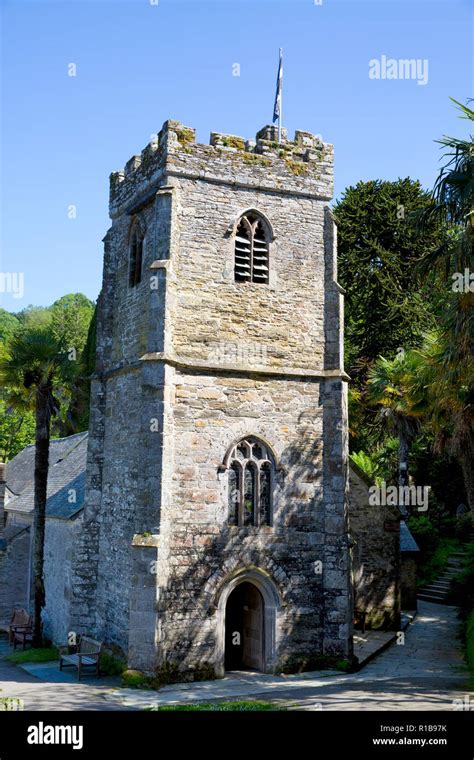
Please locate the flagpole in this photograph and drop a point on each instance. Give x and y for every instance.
(281, 99)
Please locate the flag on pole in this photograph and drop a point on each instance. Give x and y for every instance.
(277, 106)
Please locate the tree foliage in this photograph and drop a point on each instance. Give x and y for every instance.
(33, 366)
(9, 325)
(386, 303)
(70, 319)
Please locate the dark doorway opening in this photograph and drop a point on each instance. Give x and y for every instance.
(244, 629)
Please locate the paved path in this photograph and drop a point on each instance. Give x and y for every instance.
(49, 694)
(426, 673)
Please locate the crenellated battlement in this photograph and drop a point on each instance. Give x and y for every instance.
(303, 165)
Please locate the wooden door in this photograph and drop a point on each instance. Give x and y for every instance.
(252, 655)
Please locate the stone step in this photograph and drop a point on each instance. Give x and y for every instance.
(433, 599)
(435, 591)
(432, 587)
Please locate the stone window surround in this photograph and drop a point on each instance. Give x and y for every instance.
(271, 606)
(136, 248)
(256, 464)
(276, 471)
(250, 222)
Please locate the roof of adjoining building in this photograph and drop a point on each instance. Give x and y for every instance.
(407, 542)
(66, 478)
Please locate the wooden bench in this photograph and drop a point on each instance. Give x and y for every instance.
(86, 656)
(360, 617)
(21, 629)
(23, 636)
(20, 619)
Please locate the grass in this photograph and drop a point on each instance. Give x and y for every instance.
(34, 655)
(219, 707)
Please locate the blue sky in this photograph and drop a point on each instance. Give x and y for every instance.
(140, 63)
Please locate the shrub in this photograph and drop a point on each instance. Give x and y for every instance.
(432, 565)
(463, 586)
(424, 533)
(463, 527)
(111, 665)
(470, 640)
(134, 678)
(463, 595)
(365, 463)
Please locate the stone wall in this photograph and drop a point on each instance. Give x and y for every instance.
(375, 538)
(200, 550)
(15, 574)
(408, 580)
(60, 541)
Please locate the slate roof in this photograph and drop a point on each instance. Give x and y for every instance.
(66, 478)
(407, 542)
(66, 502)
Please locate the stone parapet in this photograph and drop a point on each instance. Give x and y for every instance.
(302, 166)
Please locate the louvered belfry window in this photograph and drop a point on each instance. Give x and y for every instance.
(251, 250)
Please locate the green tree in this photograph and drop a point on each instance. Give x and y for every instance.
(70, 322)
(35, 316)
(452, 206)
(17, 426)
(447, 387)
(70, 319)
(9, 324)
(33, 363)
(77, 416)
(446, 368)
(386, 304)
(390, 387)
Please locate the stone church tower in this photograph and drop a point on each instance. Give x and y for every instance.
(216, 511)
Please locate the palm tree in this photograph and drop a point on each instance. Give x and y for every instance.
(446, 367)
(446, 386)
(33, 361)
(453, 205)
(389, 387)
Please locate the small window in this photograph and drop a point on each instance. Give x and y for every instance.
(251, 468)
(250, 479)
(135, 255)
(251, 250)
(265, 493)
(234, 489)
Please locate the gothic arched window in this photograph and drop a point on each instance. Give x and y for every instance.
(135, 254)
(250, 473)
(251, 249)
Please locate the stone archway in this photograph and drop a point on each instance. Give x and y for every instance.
(244, 629)
(260, 594)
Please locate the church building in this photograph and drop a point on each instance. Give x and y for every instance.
(215, 524)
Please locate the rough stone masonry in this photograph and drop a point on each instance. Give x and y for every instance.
(191, 361)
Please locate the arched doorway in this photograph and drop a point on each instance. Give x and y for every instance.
(244, 628)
